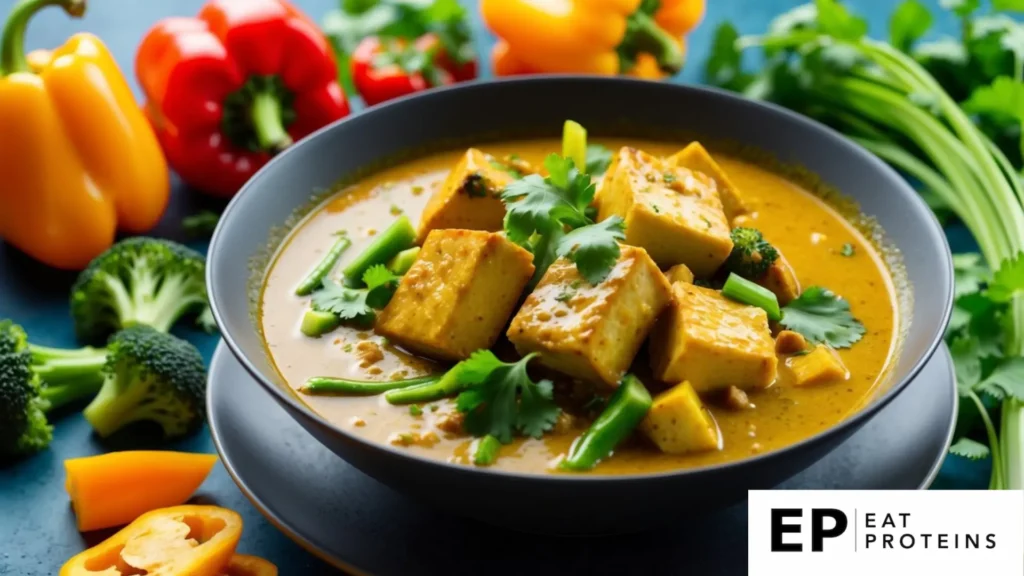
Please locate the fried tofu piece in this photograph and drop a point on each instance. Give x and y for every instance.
(469, 198)
(713, 342)
(781, 280)
(679, 273)
(458, 295)
(591, 332)
(820, 366)
(672, 212)
(679, 423)
(696, 158)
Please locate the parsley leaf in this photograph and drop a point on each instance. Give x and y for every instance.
(908, 24)
(501, 399)
(594, 248)
(599, 159)
(380, 285)
(967, 448)
(1008, 280)
(345, 303)
(822, 317)
(847, 250)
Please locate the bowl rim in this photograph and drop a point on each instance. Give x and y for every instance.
(294, 406)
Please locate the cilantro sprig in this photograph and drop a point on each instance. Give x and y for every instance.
(358, 305)
(823, 318)
(501, 400)
(548, 216)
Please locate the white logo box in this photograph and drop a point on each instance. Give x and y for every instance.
(886, 532)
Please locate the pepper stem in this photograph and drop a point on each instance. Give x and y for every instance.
(12, 45)
(644, 35)
(268, 122)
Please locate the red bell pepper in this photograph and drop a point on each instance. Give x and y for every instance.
(386, 68)
(231, 87)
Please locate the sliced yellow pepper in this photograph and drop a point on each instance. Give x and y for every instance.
(591, 36)
(78, 158)
(177, 541)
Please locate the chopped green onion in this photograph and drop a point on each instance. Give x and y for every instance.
(399, 236)
(742, 290)
(574, 144)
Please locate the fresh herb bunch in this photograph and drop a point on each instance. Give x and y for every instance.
(407, 19)
(948, 114)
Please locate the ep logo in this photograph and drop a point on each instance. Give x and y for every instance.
(787, 528)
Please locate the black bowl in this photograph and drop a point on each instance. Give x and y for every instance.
(538, 106)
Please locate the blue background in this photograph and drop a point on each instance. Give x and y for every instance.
(37, 530)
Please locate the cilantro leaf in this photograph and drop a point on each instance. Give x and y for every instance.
(599, 159)
(724, 67)
(529, 204)
(1014, 5)
(1008, 280)
(1006, 380)
(908, 23)
(345, 303)
(577, 188)
(971, 449)
(380, 285)
(594, 248)
(822, 317)
(966, 362)
(501, 399)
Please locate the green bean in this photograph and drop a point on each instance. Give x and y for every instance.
(444, 386)
(316, 276)
(486, 450)
(400, 235)
(323, 385)
(626, 408)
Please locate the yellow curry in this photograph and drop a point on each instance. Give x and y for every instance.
(660, 308)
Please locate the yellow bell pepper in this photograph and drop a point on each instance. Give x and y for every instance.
(177, 541)
(590, 36)
(78, 158)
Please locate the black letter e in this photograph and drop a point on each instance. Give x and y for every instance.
(779, 528)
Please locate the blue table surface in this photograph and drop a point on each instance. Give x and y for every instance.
(37, 531)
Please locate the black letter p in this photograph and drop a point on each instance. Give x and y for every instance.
(818, 532)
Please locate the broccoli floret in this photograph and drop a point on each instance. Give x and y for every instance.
(150, 376)
(751, 255)
(36, 379)
(138, 281)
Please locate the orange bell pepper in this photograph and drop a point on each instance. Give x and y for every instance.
(242, 565)
(178, 541)
(590, 36)
(113, 489)
(78, 157)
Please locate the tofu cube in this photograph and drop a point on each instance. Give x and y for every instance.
(591, 332)
(696, 158)
(781, 280)
(820, 366)
(672, 212)
(679, 273)
(469, 198)
(712, 342)
(458, 295)
(679, 423)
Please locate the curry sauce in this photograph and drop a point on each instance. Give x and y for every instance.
(821, 246)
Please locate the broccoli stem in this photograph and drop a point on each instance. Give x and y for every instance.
(114, 407)
(168, 303)
(399, 236)
(59, 395)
